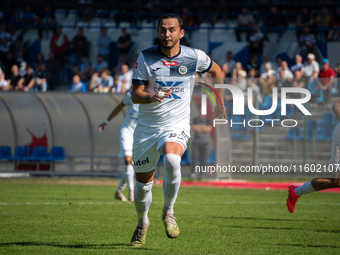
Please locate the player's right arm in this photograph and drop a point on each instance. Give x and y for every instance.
(114, 112)
(140, 82)
(336, 109)
(139, 96)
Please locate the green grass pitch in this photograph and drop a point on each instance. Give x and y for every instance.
(38, 217)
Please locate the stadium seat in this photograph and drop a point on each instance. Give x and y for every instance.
(327, 120)
(39, 153)
(5, 152)
(290, 110)
(312, 129)
(57, 153)
(325, 133)
(212, 157)
(21, 153)
(294, 133)
(185, 158)
(335, 89)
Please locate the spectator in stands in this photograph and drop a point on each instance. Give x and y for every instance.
(100, 64)
(52, 68)
(306, 43)
(8, 63)
(85, 10)
(275, 21)
(201, 125)
(23, 69)
(46, 19)
(253, 74)
(33, 82)
(59, 44)
(80, 47)
(39, 59)
(245, 22)
(251, 83)
(27, 17)
(124, 43)
(266, 59)
(5, 42)
(253, 63)
(311, 69)
(29, 78)
(103, 84)
(240, 81)
(15, 81)
(268, 79)
(41, 77)
(237, 67)
(3, 82)
(325, 81)
(225, 70)
(125, 79)
(303, 20)
(278, 62)
(298, 64)
(19, 48)
(230, 62)
(269, 71)
(188, 18)
(323, 20)
(284, 71)
(333, 35)
(337, 70)
(77, 85)
(103, 44)
(121, 60)
(84, 70)
(257, 41)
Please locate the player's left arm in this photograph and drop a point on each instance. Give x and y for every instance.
(114, 113)
(216, 73)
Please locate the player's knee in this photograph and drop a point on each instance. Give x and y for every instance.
(142, 188)
(172, 162)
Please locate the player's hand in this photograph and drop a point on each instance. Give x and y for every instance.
(102, 126)
(220, 112)
(158, 98)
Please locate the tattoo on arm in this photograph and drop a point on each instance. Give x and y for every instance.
(147, 99)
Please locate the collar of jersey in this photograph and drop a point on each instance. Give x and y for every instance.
(179, 52)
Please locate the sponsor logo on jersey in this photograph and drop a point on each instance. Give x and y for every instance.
(141, 162)
(173, 86)
(207, 59)
(182, 69)
(169, 63)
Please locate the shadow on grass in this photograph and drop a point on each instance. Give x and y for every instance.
(269, 219)
(268, 228)
(76, 246)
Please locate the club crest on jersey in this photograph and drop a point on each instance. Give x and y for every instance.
(182, 69)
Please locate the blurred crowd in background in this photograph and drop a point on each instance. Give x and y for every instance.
(312, 24)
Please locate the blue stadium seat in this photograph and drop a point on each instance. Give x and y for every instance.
(212, 157)
(5, 152)
(21, 153)
(56, 154)
(325, 134)
(39, 153)
(290, 110)
(312, 129)
(294, 133)
(185, 158)
(327, 120)
(335, 89)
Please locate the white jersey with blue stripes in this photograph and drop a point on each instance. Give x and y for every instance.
(158, 71)
(131, 116)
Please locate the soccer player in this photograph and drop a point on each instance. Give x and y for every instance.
(320, 183)
(162, 84)
(126, 142)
